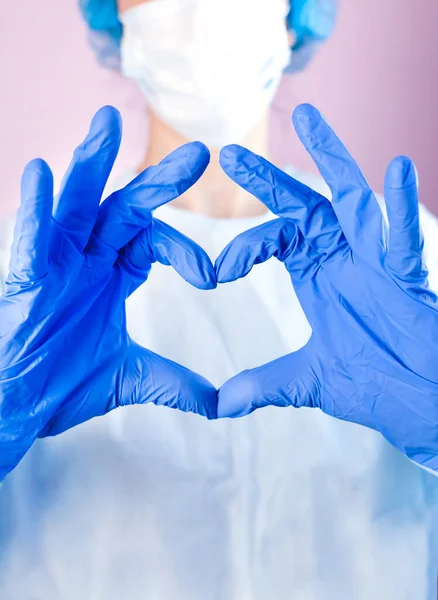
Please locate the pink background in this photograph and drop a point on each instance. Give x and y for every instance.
(376, 81)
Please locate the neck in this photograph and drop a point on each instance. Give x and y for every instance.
(214, 195)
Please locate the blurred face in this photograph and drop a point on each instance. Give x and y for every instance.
(127, 4)
(208, 68)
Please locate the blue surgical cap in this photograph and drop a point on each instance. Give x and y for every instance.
(105, 30)
(311, 21)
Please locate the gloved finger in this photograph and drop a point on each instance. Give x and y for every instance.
(125, 212)
(405, 248)
(279, 238)
(166, 383)
(288, 381)
(353, 200)
(143, 377)
(162, 243)
(30, 248)
(285, 197)
(84, 182)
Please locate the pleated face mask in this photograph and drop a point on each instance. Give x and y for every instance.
(208, 69)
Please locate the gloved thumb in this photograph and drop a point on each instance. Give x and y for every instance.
(140, 378)
(286, 381)
(167, 383)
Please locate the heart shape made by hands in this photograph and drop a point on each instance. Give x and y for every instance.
(64, 348)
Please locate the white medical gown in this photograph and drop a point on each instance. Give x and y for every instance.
(149, 503)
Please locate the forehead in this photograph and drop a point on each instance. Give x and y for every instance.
(126, 4)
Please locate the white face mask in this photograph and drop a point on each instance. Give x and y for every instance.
(208, 68)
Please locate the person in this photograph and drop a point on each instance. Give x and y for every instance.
(152, 503)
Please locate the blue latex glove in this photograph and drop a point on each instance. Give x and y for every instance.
(65, 355)
(373, 354)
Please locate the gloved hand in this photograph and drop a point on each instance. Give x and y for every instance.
(373, 354)
(65, 355)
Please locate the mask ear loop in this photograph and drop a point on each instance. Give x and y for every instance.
(280, 121)
(281, 130)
